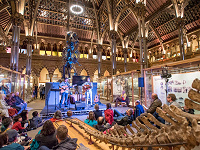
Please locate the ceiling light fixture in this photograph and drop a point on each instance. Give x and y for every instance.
(76, 9)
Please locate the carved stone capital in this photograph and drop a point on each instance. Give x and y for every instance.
(180, 22)
(29, 39)
(140, 9)
(99, 47)
(125, 50)
(17, 19)
(113, 35)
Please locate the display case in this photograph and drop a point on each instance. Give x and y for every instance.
(127, 83)
(111, 87)
(12, 81)
(104, 88)
(175, 77)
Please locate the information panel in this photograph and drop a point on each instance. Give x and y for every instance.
(178, 84)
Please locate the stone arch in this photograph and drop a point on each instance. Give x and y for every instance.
(118, 71)
(84, 72)
(44, 75)
(106, 73)
(56, 75)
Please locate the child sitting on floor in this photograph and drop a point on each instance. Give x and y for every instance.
(36, 121)
(17, 124)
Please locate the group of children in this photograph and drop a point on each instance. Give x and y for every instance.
(15, 129)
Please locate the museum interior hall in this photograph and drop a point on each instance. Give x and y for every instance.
(100, 74)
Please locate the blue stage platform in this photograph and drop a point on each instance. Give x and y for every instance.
(52, 110)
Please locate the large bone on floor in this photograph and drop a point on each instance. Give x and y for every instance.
(172, 114)
(165, 117)
(184, 114)
(196, 84)
(192, 105)
(194, 95)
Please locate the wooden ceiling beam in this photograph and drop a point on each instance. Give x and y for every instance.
(154, 15)
(3, 7)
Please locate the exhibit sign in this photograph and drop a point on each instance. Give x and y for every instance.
(178, 84)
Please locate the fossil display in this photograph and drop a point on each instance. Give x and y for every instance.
(143, 135)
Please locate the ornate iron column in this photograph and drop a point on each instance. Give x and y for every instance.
(17, 20)
(180, 26)
(99, 47)
(113, 35)
(140, 10)
(29, 54)
(125, 58)
(29, 40)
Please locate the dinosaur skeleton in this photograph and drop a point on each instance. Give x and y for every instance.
(176, 134)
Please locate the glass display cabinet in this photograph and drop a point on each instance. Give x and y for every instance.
(110, 88)
(12, 81)
(175, 78)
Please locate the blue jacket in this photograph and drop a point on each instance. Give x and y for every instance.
(18, 100)
(139, 110)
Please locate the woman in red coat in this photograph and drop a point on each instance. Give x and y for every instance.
(109, 114)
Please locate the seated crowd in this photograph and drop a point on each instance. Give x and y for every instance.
(13, 131)
(11, 104)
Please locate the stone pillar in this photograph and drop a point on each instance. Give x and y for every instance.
(51, 77)
(180, 26)
(125, 59)
(113, 35)
(17, 20)
(99, 47)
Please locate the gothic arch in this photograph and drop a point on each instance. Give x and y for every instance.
(84, 72)
(106, 73)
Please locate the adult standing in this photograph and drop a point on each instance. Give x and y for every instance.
(36, 90)
(43, 91)
(64, 86)
(88, 86)
(40, 88)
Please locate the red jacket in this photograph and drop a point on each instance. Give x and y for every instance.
(109, 116)
(17, 126)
